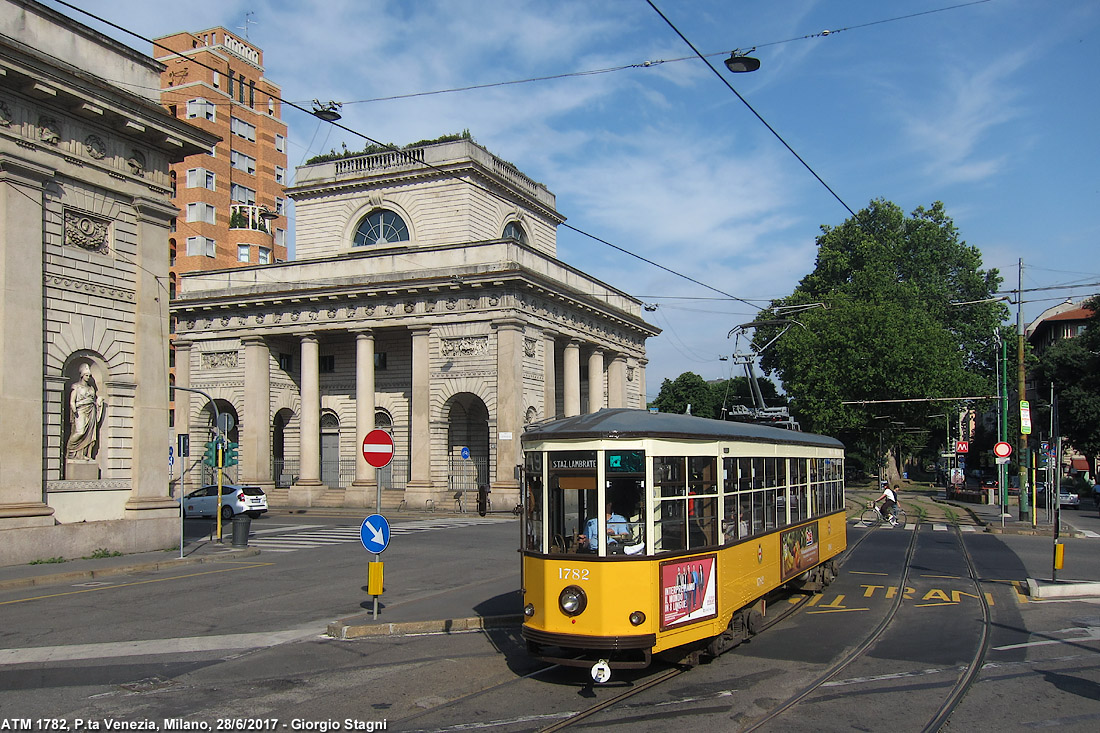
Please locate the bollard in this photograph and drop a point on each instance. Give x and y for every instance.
(482, 499)
(242, 524)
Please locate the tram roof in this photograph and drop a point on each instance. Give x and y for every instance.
(624, 422)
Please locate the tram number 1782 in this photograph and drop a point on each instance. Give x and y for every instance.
(572, 573)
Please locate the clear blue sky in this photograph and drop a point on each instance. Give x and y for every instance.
(991, 107)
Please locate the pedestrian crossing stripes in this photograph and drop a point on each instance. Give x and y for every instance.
(306, 537)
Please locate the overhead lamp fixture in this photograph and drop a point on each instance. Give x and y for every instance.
(329, 112)
(740, 63)
(267, 214)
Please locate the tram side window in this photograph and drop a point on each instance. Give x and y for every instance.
(532, 517)
(799, 505)
(734, 524)
(702, 502)
(817, 480)
(670, 504)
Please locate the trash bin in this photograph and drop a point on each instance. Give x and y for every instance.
(242, 524)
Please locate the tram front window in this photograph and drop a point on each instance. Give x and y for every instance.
(572, 499)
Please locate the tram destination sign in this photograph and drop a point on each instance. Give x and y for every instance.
(573, 461)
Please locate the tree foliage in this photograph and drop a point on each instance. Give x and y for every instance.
(708, 398)
(888, 325)
(1073, 367)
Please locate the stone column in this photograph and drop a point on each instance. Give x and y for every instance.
(183, 409)
(595, 380)
(21, 386)
(509, 406)
(149, 445)
(365, 474)
(572, 378)
(420, 477)
(616, 382)
(641, 383)
(550, 377)
(256, 432)
(309, 460)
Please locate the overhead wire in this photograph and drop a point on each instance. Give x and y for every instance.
(443, 171)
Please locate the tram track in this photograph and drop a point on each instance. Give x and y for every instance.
(963, 682)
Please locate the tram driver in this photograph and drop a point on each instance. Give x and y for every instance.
(617, 529)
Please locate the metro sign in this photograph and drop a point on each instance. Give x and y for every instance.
(962, 446)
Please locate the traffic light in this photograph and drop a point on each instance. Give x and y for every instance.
(210, 456)
(229, 458)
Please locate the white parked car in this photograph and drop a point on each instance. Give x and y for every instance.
(250, 500)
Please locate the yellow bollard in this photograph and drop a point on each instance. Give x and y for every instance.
(1059, 555)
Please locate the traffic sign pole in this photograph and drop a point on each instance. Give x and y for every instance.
(375, 536)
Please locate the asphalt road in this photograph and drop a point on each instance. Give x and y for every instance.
(244, 642)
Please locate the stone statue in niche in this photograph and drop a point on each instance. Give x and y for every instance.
(85, 413)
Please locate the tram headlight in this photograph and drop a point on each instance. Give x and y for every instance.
(572, 600)
(529, 610)
(637, 618)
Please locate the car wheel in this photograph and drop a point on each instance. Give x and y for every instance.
(227, 512)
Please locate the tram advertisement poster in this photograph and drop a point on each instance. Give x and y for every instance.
(688, 591)
(799, 550)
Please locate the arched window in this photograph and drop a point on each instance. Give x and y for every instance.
(513, 230)
(380, 227)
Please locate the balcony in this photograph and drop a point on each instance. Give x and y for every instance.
(250, 216)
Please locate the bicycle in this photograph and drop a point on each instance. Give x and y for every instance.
(872, 515)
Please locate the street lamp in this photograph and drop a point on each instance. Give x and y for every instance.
(327, 112)
(740, 63)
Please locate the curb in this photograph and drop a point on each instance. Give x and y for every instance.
(67, 577)
(1062, 589)
(346, 630)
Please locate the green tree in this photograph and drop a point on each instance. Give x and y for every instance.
(896, 308)
(687, 389)
(707, 398)
(1073, 367)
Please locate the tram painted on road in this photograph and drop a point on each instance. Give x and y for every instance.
(647, 532)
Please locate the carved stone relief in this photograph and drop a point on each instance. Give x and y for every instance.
(95, 147)
(6, 115)
(219, 359)
(49, 130)
(136, 161)
(465, 346)
(529, 345)
(87, 232)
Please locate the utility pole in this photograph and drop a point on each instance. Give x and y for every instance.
(1021, 455)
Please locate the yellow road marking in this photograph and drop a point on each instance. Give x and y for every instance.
(943, 577)
(838, 610)
(857, 572)
(926, 605)
(136, 582)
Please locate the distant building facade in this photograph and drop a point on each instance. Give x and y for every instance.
(427, 301)
(85, 213)
(231, 198)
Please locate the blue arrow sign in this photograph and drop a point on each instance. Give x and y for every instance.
(465, 454)
(375, 533)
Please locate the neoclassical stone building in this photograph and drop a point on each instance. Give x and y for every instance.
(84, 219)
(426, 299)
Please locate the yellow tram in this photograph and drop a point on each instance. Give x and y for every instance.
(645, 532)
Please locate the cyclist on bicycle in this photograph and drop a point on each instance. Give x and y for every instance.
(889, 500)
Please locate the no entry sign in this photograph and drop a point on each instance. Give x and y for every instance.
(378, 448)
(1002, 450)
